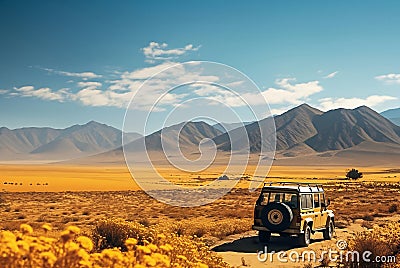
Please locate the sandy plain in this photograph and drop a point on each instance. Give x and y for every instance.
(65, 194)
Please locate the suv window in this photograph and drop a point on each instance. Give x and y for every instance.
(306, 201)
(289, 199)
(317, 204)
(275, 197)
(322, 196)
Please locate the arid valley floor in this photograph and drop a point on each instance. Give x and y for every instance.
(82, 195)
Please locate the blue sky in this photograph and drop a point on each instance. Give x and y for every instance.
(66, 62)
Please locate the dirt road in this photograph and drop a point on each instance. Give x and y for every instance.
(241, 250)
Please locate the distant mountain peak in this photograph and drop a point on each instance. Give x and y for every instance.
(94, 123)
(305, 108)
(364, 108)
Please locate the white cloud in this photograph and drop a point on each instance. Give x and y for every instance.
(89, 84)
(389, 78)
(83, 75)
(147, 72)
(3, 91)
(331, 75)
(290, 92)
(287, 92)
(235, 84)
(351, 103)
(279, 111)
(159, 51)
(124, 88)
(42, 93)
(120, 91)
(92, 97)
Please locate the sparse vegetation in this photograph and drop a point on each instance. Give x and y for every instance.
(380, 241)
(393, 208)
(354, 174)
(363, 203)
(151, 248)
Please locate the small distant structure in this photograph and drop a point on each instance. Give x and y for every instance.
(223, 178)
(354, 174)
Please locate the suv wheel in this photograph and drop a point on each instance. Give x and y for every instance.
(328, 232)
(305, 238)
(264, 236)
(276, 216)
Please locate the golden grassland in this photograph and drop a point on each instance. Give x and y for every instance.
(83, 196)
(145, 247)
(52, 177)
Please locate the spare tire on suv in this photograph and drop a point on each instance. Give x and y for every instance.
(276, 216)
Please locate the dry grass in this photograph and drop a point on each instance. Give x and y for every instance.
(230, 215)
(383, 241)
(142, 247)
(368, 202)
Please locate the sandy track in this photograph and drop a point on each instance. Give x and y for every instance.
(241, 250)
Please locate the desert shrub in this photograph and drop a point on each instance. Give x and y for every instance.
(354, 174)
(145, 222)
(367, 224)
(368, 217)
(341, 224)
(380, 241)
(2, 200)
(86, 213)
(113, 233)
(219, 229)
(24, 249)
(393, 208)
(325, 261)
(4, 204)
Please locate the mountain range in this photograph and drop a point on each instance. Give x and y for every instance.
(305, 129)
(58, 144)
(301, 131)
(393, 115)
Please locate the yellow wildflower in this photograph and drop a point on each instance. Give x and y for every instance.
(83, 254)
(112, 254)
(72, 246)
(66, 236)
(182, 257)
(26, 228)
(166, 247)
(23, 245)
(73, 229)
(152, 247)
(85, 263)
(131, 242)
(162, 259)
(47, 227)
(149, 261)
(161, 236)
(48, 257)
(201, 265)
(7, 236)
(144, 249)
(85, 242)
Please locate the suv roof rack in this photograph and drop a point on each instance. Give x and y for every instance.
(298, 184)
